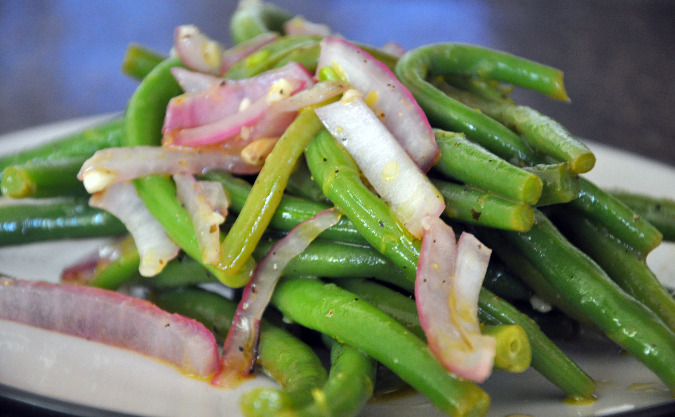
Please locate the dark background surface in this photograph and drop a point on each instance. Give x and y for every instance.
(60, 59)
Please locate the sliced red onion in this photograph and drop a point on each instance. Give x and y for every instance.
(392, 101)
(382, 160)
(153, 244)
(111, 318)
(298, 25)
(205, 218)
(224, 97)
(240, 51)
(196, 50)
(194, 82)
(449, 278)
(113, 165)
(240, 349)
(220, 113)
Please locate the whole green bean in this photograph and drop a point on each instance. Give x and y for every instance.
(617, 217)
(350, 384)
(525, 270)
(255, 17)
(139, 60)
(124, 268)
(55, 220)
(544, 134)
(286, 359)
(301, 184)
(501, 281)
(339, 178)
(355, 322)
(561, 185)
(143, 126)
(269, 55)
(547, 358)
(416, 65)
(624, 265)
(330, 259)
(471, 164)
(660, 212)
(291, 210)
(82, 143)
(267, 192)
(584, 285)
(513, 351)
(47, 178)
(471, 205)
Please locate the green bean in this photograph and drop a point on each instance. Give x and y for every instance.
(267, 192)
(399, 306)
(143, 124)
(340, 181)
(307, 55)
(617, 217)
(289, 361)
(330, 259)
(449, 114)
(139, 60)
(339, 177)
(83, 143)
(349, 386)
(124, 268)
(469, 163)
(301, 184)
(521, 266)
(255, 17)
(343, 316)
(660, 212)
(291, 210)
(561, 185)
(39, 179)
(544, 134)
(269, 55)
(513, 351)
(55, 220)
(547, 358)
(501, 281)
(624, 265)
(471, 205)
(583, 284)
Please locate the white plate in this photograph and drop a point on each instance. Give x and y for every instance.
(32, 360)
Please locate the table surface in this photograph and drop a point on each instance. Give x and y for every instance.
(61, 59)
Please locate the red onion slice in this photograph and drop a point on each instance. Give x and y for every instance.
(205, 218)
(112, 165)
(193, 82)
(153, 244)
(449, 278)
(224, 98)
(383, 161)
(111, 318)
(392, 101)
(209, 118)
(196, 50)
(239, 352)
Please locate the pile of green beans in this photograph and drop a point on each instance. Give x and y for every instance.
(508, 174)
